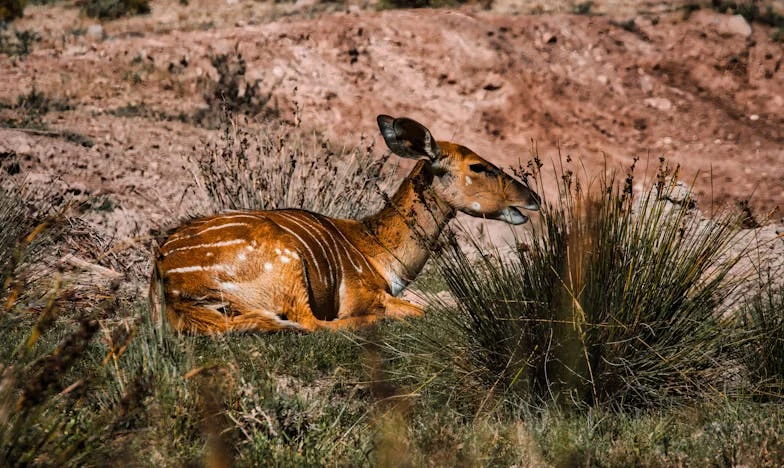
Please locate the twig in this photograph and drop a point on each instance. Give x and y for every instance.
(70, 259)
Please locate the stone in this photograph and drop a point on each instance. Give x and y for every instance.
(95, 31)
(660, 103)
(737, 25)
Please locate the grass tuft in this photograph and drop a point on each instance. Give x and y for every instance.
(281, 166)
(114, 9)
(763, 354)
(618, 300)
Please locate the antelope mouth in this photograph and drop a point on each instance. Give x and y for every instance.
(510, 215)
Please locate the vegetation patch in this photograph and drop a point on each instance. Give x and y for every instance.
(285, 167)
(233, 93)
(17, 43)
(595, 344)
(11, 10)
(617, 301)
(763, 353)
(113, 9)
(29, 109)
(751, 11)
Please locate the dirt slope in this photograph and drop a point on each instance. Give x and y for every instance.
(602, 88)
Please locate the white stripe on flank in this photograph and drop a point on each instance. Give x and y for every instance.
(228, 286)
(351, 259)
(328, 236)
(332, 257)
(294, 220)
(189, 269)
(315, 260)
(175, 237)
(204, 246)
(240, 215)
(220, 226)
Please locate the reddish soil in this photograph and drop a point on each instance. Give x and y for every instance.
(602, 88)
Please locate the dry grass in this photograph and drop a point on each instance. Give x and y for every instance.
(282, 166)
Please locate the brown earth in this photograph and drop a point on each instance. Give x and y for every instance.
(603, 89)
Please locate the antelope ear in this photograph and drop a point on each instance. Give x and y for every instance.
(408, 138)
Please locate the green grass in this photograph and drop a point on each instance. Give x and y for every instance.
(617, 300)
(305, 400)
(90, 375)
(763, 352)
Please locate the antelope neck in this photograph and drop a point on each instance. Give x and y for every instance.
(406, 229)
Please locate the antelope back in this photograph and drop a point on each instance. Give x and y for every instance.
(235, 251)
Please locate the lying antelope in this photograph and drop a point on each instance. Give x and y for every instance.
(293, 269)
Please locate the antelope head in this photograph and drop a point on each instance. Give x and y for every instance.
(461, 178)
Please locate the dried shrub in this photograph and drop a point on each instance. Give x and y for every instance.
(30, 109)
(19, 43)
(233, 93)
(281, 166)
(11, 9)
(390, 4)
(113, 9)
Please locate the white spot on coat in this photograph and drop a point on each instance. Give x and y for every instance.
(284, 259)
(268, 266)
(468, 180)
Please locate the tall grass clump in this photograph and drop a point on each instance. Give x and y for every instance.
(282, 166)
(763, 352)
(617, 300)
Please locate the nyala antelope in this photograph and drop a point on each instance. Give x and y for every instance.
(297, 270)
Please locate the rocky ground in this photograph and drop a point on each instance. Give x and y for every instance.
(633, 79)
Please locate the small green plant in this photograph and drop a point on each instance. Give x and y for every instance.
(583, 8)
(113, 9)
(233, 93)
(19, 44)
(31, 107)
(778, 35)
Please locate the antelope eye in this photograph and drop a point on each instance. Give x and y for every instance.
(478, 168)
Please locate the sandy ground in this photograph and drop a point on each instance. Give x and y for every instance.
(643, 80)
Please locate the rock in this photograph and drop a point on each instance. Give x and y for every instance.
(95, 31)
(660, 103)
(646, 85)
(722, 24)
(737, 25)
